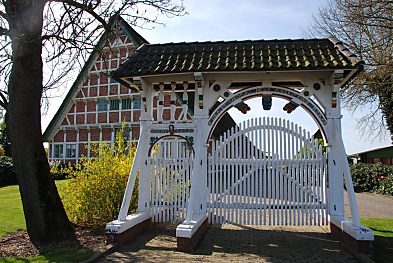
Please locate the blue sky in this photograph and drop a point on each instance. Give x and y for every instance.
(213, 20)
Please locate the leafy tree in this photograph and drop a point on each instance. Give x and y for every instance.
(51, 34)
(366, 28)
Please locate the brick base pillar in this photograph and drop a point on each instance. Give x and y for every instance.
(189, 244)
(357, 246)
(129, 234)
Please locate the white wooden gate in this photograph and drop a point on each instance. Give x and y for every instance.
(170, 167)
(267, 171)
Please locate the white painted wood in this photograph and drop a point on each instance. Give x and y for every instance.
(64, 145)
(298, 167)
(275, 178)
(237, 178)
(221, 175)
(232, 179)
(160, 102)
(260, 174)
(242, 171)
(267, 171)
(280, 141)
(171, 168)
(247, 143)
(285, 171)
(184, 112)
(216, 178)
(173, 101)
(252, 179)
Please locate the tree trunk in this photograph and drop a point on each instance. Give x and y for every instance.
(44, 212)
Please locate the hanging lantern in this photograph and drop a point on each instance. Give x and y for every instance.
(267, 102)
(290, 106)
(242, 107)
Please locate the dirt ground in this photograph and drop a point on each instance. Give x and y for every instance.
(18, 244)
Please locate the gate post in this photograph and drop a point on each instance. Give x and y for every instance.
(334, 177)
(350, 233)
(144, 173)
(198, 193)
(126, 226)
(190, 231)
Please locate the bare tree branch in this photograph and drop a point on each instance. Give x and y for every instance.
(87, 8)
(366, 27)
(3, 15)
(3, 99)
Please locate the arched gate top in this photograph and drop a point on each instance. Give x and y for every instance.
(289, 94)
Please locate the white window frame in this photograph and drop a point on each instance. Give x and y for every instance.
(69, 147)
(56, 147)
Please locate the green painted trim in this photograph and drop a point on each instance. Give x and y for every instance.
(56, 120)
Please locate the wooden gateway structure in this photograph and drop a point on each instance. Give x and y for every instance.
(265, 171)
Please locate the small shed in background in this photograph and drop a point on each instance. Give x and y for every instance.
(380, 155)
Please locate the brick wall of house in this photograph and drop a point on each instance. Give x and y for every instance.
(99, 107)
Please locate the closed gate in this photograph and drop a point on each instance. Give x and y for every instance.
(170, 167)
(267, 171)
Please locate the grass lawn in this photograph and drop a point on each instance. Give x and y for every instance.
(383, 233)
(11, 212)
(12, 219)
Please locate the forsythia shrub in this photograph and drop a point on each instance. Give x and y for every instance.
(57, 170)
(94, 194)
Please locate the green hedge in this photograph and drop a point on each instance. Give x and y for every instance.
(376, 178)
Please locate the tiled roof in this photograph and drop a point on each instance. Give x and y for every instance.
(249, 55)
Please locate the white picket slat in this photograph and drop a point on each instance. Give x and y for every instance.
(267, 171)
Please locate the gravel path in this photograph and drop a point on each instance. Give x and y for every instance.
(372, 205)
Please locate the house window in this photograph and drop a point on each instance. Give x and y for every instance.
(102, 105)
(70, 150)
(126, 104)
(113, 104)
(136, 103)
(58, 151)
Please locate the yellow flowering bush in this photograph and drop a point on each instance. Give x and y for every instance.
(94, 194)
